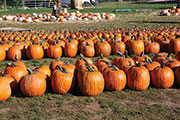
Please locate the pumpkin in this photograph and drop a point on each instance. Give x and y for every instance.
(17, 62)
(35, 51)
(71, 48)
(141, 57)
(14, 52)
(91, 82)
(123, 63)
(135, 46)
(116, 59)
(177, 56)
(160, 57)
(88, 50)
(162, 77)
(152, 47)
(33, 85)
(138, 77)
(11, 80)
(118, 46)
(2, 53)
(177, 75)
(69, 67)
(62, 81)
(150, 65)
(102, 47)
(53, 64)
(15, 71)
(172, 63)
(54, 51)
(174, 45)
(115, 79)
(5, 89)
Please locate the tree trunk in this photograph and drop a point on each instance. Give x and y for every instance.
(5, 7)
(23, 4)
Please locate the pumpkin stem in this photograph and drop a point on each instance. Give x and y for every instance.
(127, 33)
(150, 61)
(126, 54)
(29, 71)
(169, 59)
(2, 74)
(89, 68)
(69, 40)
(16, 58)
(54, 43)
(120, 54)
(138, 64)
(163, 64)
(142, 54)
(130, 64)
(33, 42)
(59, 67)
(114, 68)
(58, 59)
(64, 70)
(87, 43)
(102, 40)
(134, 36)
(101, 56)
(145, 59)
(84, 59)
(66, 62)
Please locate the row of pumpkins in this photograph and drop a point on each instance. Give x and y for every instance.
(168, 12)
(92, 79)
(46, 17)
(54, 44)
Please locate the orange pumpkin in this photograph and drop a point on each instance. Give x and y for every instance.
(5, 89)
(33, 85)
(162, 77)
(138, 77)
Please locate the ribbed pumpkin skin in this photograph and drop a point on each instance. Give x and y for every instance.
(13, 52)
(62, 82)
(17, 72)
(138, 78)
(135, 46)
(33, 85)
(115, 80)
(35, 52)
(162, 77)
(54, 51)
(5, 89)
(70, 49)
(2, 53)
(91, 83)
(103, 48)
(53, 64)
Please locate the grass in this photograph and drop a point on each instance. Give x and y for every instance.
(127, 104)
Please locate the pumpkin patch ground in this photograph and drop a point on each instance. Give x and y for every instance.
(89, 87)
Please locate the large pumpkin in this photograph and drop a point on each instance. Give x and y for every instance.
(103, 47)
(115, 79)
(33, 85)
(135, 46)
(35, 51)
(62, 81)
(14, 52)
(138, 77)
(162, 77)
(91, 82)
(16, 71)
(54, 51)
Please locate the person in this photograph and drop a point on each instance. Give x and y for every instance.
(57, 10)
